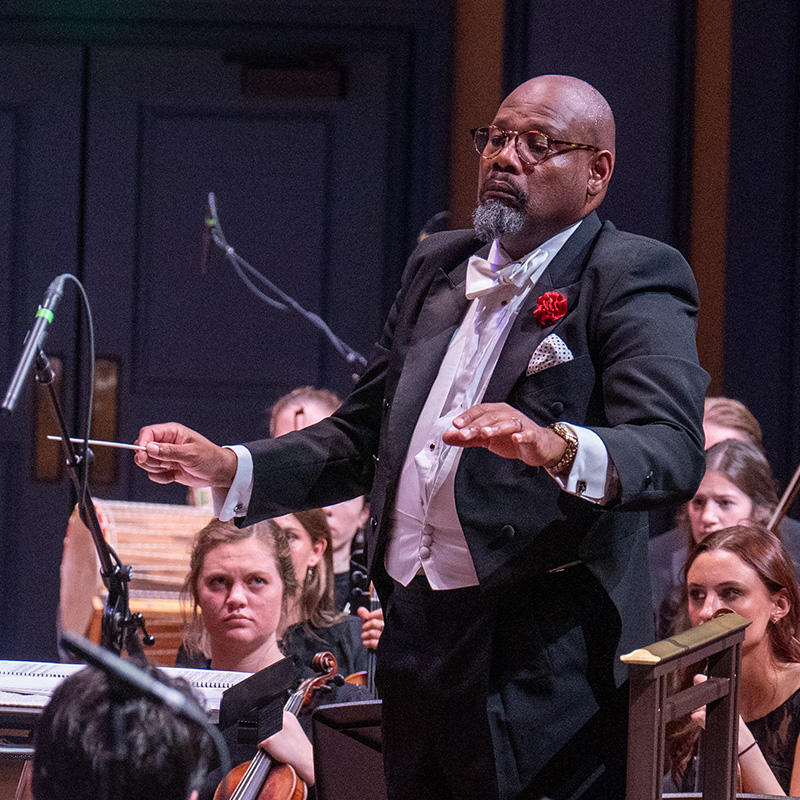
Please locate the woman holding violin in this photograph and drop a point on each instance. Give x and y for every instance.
(242, 584)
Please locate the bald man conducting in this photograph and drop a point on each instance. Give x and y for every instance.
(535, 390)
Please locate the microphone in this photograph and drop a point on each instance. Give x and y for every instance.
(34, 341)
(133, 677)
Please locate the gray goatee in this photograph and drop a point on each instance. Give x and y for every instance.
(493, 219)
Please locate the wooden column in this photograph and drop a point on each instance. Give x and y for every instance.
(477, 92)
(710, 179)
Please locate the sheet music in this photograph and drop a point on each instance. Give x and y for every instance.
(30, 683)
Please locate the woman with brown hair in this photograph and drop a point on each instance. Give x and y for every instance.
(746, 569)
(243, 587)
(313, 622)
(737, 487)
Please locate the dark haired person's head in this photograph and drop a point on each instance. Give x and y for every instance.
(737, 487)
(166, 756)
(746, 568)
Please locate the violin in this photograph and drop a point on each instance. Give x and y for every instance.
(261, 778)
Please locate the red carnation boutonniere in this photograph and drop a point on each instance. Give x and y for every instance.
(550, 307)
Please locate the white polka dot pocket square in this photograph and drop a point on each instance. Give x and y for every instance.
(550, 352)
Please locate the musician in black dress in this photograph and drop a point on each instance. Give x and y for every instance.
(243, 585)
(747, 570)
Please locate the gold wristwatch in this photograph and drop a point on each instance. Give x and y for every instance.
(564, 465)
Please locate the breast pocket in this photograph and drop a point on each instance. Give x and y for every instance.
(561, 392)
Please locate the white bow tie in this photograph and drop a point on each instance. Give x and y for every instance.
(483, 277)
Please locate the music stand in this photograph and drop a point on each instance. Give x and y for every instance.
(345, 734)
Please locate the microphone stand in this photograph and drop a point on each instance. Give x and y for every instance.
(118, 628)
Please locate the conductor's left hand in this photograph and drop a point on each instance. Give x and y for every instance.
(175, 453)
(507, 432)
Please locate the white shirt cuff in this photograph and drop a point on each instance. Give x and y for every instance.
(593, 476)
(235, 501)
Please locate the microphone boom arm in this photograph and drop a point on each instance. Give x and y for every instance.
(286, 302)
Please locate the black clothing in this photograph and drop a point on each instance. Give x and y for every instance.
(342, 639)
(776, 734)
(634, 380)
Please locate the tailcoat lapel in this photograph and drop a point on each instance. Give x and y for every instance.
(527, 333)
(443, 309)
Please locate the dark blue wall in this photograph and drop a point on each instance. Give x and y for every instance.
(639, 55)
(762, 326)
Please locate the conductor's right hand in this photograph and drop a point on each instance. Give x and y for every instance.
(175, 453)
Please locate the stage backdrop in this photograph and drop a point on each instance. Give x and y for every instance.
(322, 127)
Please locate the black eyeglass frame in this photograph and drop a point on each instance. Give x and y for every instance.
(516, 134)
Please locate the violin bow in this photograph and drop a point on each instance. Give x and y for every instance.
(785, 503)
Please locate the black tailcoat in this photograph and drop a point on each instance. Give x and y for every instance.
(634, 380)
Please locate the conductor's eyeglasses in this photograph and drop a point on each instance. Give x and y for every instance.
(533, 147)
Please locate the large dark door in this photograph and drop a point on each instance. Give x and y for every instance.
(301, 186)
